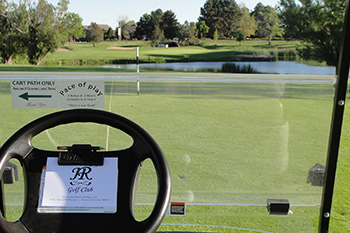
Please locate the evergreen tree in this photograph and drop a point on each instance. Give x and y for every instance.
(157, 17)
(145, 27)
(109, 34)
(169, 25)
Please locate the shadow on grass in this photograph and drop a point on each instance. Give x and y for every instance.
(198, 57)
(220, 46)
(273, 46)
(232, 91)
(59, 69)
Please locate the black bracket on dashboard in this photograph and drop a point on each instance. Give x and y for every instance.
(278, 206)
(80, 154)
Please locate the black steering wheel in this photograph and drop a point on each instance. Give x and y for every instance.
(129, 160)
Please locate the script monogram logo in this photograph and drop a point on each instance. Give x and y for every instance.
(81, 172)
(81, 180)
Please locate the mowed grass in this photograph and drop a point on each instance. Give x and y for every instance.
(226, 143)
(208, 50)
(341, 203)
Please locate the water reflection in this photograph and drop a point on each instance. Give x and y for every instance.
(281, 67)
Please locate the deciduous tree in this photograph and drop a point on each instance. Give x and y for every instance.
(318, 23)
(70, 27)
(269, 24)
(42, 37)
(155, 25)
(13, 21)
(247, 24)
(258, 13)
(188, 33)
(109, 34)
(216, 35)
(203, 29)
(221, 15)
(129, 30)
(36, 29)
(94, 34)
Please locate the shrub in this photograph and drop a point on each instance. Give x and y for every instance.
(287, 55)
(233, 68)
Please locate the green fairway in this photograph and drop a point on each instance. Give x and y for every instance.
(230, 147)
(83, 57)
(208, 50)
(341, 202)
(57, 68)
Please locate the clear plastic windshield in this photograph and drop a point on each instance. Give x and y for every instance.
(232, 142)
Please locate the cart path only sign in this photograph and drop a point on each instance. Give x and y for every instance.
(57, 94)
(34, 94)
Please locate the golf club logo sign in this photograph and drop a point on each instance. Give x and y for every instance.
(79, 188)
(81, 181)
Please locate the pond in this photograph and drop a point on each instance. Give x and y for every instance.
(281, 67)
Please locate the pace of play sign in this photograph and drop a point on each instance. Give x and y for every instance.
(81, 94)
(57, 93)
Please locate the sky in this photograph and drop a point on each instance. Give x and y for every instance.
(110, 11)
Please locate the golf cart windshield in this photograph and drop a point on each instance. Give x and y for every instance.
(246, 152)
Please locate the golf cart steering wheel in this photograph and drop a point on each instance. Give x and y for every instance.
(129, 160)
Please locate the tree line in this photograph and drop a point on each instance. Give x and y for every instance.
(35, 30)
(38, 29)
(218, 18)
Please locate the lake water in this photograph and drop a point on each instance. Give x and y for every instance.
(281, 67)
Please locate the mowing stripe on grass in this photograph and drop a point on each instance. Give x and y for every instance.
(213, 226)
(216, 204)
(205, 204)
(109, 110)
(11, 204)
(53, 141)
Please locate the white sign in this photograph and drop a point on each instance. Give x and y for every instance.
(34, 94)
(57, 94)
(81, 94)
(79, 189)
